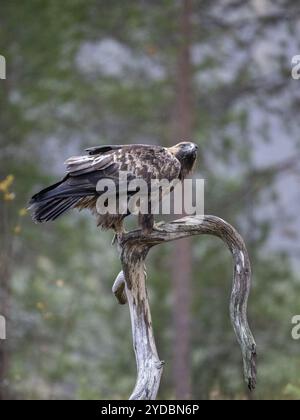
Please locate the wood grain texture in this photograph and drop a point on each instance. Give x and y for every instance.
(130, 286)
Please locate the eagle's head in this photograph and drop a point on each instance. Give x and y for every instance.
(186, 153)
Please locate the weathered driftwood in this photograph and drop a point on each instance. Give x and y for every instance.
(130, 286)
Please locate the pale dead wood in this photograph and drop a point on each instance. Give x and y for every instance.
(118, 289)
(130, 286)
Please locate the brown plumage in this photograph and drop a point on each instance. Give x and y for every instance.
(78, 187)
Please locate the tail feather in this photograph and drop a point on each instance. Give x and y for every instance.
(46, 192)
(62, 208)
(48, 211)
(55, 200)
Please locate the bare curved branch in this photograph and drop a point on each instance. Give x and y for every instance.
(134, 247)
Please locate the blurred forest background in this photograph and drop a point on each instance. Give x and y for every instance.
(88, 72)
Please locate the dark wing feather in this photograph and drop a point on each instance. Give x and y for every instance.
(102, 149)
(80, 165)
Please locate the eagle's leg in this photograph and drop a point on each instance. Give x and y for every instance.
(118, 227)
(146, 221)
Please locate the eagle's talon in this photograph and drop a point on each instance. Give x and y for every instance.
(157, 226)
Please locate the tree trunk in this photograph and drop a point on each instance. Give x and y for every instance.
(182, 253)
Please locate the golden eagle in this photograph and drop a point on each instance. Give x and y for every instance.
(78, 189)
